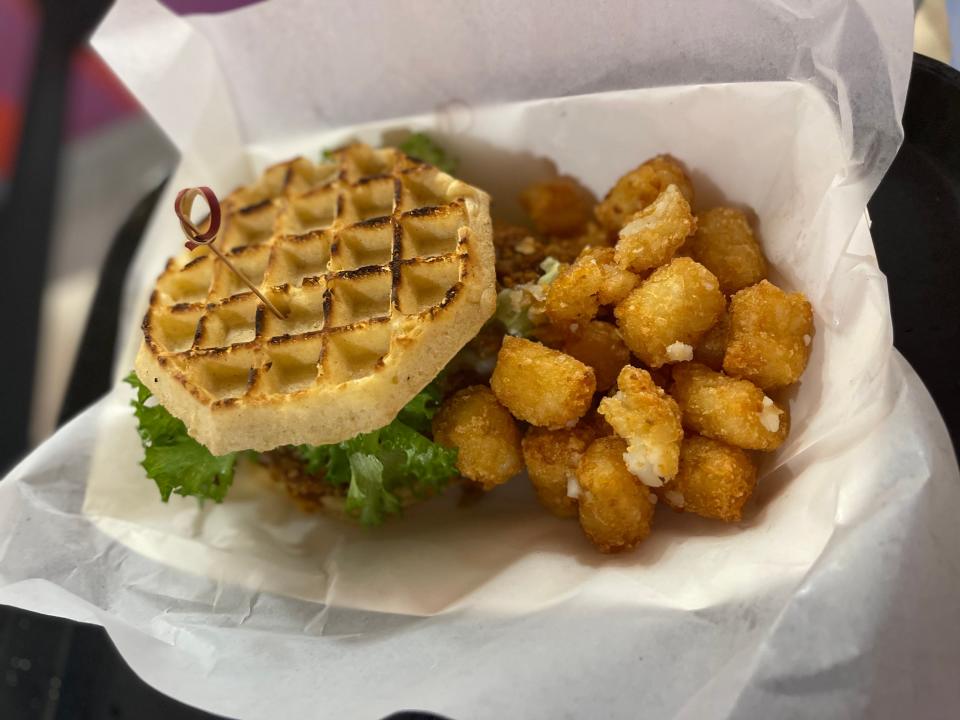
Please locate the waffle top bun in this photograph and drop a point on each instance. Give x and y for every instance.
(383, 267)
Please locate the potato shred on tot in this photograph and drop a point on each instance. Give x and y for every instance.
(643, 353)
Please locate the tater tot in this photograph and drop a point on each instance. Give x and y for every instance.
(485, 434)
(713, 345)
(574, 296)
(724, 244)
(599, 345)
(617, 281)
(594, 279)
(552, 457)
(670, 312)
(724, 408)
(715, 480)
(615, 510)
(640, 187)
(559, 206)
(649, 421)
(653, 235)
(544, 387)
(770, 336)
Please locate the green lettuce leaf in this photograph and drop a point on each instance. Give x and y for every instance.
(375, 466)
(172, 459)
(421, 147)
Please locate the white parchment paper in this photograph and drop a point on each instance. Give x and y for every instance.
(836, 597)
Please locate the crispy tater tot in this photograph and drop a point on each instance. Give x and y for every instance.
(770, 336)
(552, 457)
(544, 387)
(726, 246)
(715, 480)
(485, 434)
(670, 312)
(559, 206)
(615, 510)
(713, 345)
(574, 296)
(724, 408)
(649, 421)
(640, 187)
(653, 235)
(594, 279)
(599, 345)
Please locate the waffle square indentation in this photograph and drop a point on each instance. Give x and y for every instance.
(357, 353)
(251, 261)
(422, 189)
(229, 323)
(224, 375)
(292, 365)
(190, 284)
(425, 284)
(372, 198)
(251, 225)
(302, 308)
(296, 257)
(312, 211)
(356, 296)
(431, 231)
(173, 329)
(363, 245)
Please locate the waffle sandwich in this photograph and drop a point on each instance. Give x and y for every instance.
(381, 268)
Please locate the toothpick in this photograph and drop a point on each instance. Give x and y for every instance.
(196, 238)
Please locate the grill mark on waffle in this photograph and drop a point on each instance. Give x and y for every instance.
(360, 272)
(318, 180)
(241, 249)
(254, 207)
(365, 179)
(428, 211)
(373, 223)
(396, 250)
(258, 321)
(288, 338)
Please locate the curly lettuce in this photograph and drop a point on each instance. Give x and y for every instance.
(375, 468)
(420, 147)
(172, 459)
(379, 467)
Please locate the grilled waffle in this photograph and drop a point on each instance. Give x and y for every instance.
(383, 268)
